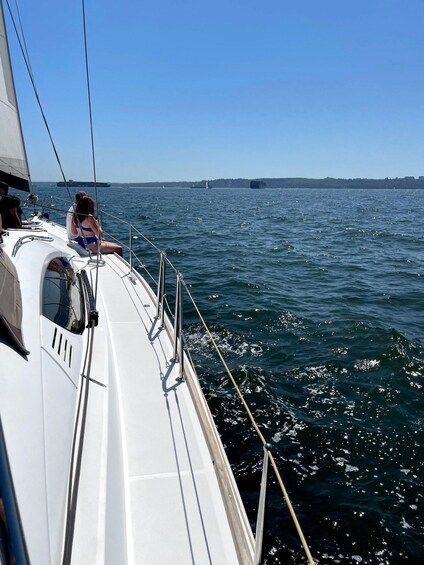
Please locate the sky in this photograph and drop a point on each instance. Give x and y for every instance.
(192, 90)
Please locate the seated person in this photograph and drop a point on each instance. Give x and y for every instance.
(10, 209)
(85, 227)
(70, 214)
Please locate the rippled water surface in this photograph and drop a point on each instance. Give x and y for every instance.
(316, 299)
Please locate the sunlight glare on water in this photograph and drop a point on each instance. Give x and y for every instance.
(315, 298)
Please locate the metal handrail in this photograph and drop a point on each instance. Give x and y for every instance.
(161, 290)
(178, 343)
(27, 239)
(178, 357)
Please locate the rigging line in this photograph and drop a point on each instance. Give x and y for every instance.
(23, 36)
(291, 510)
(28, 67)
(121, 220)
(239, 393)
(77, 442)
(258, 431)
(89, 103)
(93, 156)
(71, 514)
(74, 440)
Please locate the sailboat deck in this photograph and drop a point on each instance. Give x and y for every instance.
(167, 506)
(148, 489)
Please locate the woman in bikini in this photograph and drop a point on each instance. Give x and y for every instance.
(85, 227)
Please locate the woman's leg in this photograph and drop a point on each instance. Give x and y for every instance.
(107, 248)
(110, 247)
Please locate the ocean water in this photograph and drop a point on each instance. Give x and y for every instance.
(316, 300)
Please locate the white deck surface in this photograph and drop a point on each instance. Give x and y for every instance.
(148, 492)
(164, 505)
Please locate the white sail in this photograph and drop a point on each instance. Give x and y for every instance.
(13, 162)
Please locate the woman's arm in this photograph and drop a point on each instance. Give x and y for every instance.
(74, 230)
(95, 227)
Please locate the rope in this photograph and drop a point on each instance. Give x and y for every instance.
(256, 427)
(121, 220)
(23, 35)
(291, 510)
(89, 104)
(77, 451)
(25, 55)
(31, 76)
(239, 393)
(93, 157)
(249, 413)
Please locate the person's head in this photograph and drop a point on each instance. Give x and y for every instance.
(84, 208)
(79, 195)
(4, 188)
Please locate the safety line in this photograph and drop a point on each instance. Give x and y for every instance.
(258, 431)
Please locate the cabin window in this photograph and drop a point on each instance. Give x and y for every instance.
(63, 299)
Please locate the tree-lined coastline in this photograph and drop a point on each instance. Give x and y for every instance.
(289, 182)
(297, 182)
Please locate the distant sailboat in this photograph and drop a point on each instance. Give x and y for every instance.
(200, 184)
(108, 450)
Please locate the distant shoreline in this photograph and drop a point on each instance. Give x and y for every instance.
(289, 183)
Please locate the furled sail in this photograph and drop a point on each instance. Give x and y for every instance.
(13, 163)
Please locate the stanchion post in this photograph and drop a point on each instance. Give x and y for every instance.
(161, 289)
(131, 253)
(259, 533)
(176, 319)
(178, 327)
(181, 325)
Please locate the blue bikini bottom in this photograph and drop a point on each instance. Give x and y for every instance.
(88, 240)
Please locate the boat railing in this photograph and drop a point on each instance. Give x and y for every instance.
(172, 320)
(180, 346)
(28, 238)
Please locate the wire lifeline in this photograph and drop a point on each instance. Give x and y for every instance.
(291, 510)
(258, 431)
(251, 417)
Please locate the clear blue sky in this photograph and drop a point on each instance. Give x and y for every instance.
(187, 90)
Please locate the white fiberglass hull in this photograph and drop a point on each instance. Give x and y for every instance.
(148, 489)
